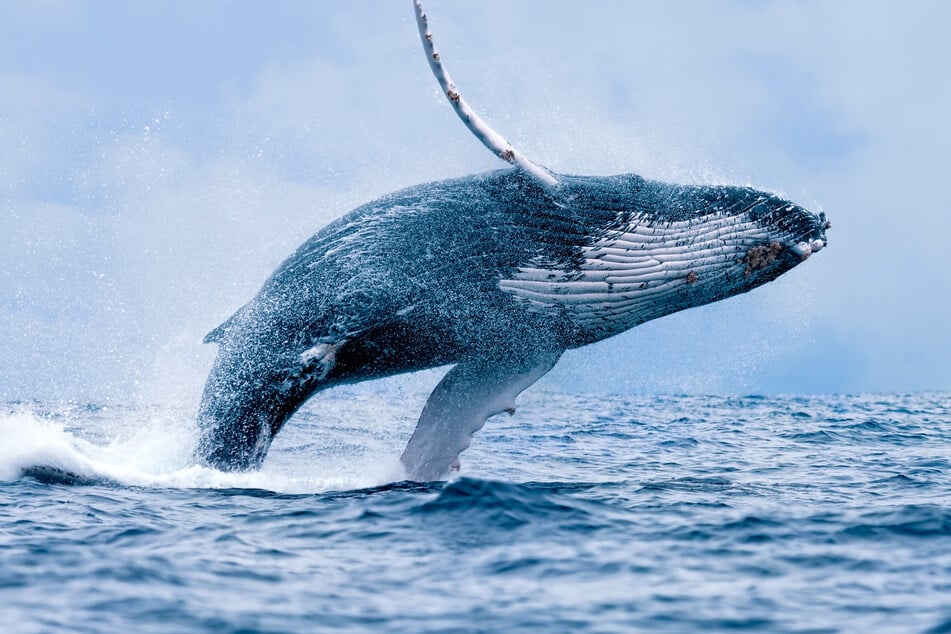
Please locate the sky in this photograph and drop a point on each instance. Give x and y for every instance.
(160, 159)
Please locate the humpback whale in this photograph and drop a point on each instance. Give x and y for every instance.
(496, 274)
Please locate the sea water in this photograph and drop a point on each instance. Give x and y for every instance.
(578, 513)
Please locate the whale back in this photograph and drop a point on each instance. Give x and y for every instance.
(477, 254)
(438, 250)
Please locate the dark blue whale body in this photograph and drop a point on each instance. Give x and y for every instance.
(493, 273)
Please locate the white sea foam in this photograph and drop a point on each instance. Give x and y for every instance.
(145, 447)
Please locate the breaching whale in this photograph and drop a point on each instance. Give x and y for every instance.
(496, 274)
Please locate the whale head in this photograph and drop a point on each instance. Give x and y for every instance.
(664, 249)
(713, 242)
(704, 244)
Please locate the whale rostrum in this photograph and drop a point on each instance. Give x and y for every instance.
(496, 274)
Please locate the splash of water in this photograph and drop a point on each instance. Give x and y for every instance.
(153, 448)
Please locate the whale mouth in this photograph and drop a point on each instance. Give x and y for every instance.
(816, 241)
(793, 234)
(802, 234)
(805, 249)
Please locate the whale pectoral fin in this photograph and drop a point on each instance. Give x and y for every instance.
(468, 395)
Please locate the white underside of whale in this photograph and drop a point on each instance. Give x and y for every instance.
(632, 275)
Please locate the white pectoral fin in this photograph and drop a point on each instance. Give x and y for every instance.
(468, 395)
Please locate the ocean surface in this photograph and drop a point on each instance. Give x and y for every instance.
(577, 514)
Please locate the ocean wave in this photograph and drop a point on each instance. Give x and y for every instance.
(668, 514)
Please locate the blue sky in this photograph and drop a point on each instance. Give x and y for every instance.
(160, 159)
